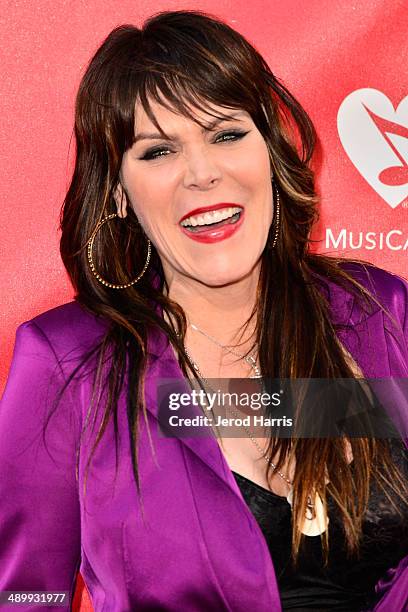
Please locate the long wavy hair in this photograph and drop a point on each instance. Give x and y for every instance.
(190, 60)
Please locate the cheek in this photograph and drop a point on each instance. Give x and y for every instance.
(255, 168)
(261, 168)
(148, 220)
(154, 220)
(147, 204)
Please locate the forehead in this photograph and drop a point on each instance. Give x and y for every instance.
(167, 117)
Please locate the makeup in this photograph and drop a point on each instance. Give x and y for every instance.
(213, 223)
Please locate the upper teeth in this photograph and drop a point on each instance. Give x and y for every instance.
(214, 216)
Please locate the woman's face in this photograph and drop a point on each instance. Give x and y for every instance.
(204, 196)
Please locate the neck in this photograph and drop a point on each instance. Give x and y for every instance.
(219, 311)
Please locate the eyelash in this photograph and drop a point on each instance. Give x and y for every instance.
(155, 153)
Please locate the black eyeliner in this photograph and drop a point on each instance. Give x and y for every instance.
(148, 155)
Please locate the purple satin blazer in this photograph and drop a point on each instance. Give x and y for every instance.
(191, 543)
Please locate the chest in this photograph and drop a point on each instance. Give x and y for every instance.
(243, 456)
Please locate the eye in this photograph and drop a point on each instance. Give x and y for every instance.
(231, 135)
(155, 153)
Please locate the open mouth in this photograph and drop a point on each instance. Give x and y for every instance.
(212, 220)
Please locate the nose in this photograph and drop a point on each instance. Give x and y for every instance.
(201, 172)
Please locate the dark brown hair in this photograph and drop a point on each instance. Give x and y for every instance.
(190, 60)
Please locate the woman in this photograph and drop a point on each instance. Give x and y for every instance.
(185, 232)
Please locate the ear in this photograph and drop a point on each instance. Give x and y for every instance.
(120, 200)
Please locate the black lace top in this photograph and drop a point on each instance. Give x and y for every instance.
(346, 583)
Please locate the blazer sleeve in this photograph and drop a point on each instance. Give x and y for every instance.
(393, 587)
(39, 504)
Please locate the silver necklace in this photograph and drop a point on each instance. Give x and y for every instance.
(249, 359)
(249, 433)
(257, 374)
(316, 519)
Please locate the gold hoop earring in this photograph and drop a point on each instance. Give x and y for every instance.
(276, 217)
(92, 265)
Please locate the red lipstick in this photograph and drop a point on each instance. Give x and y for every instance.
(217, 231)
(204, 209)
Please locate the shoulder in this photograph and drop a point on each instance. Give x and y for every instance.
(375, 279)
(70, 319)
(66, 332)
(348, 304)
(388, 289)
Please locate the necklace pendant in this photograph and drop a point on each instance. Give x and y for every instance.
(256, 375)
(310, 509)
(289, 496)
(316, 520)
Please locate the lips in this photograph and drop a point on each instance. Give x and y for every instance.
(213, 223)
(205, 209)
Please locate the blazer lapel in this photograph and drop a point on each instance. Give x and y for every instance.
(257, 569)
(165, 372)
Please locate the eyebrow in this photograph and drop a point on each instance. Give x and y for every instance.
(207, 128)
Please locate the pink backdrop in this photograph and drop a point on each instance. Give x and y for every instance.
(345, 60)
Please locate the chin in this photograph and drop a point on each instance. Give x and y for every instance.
(223, 278)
